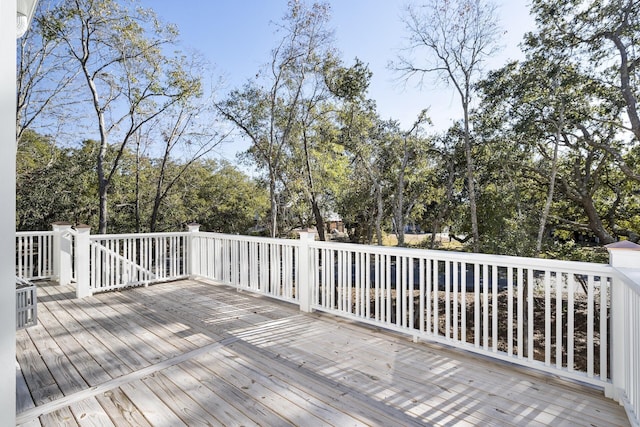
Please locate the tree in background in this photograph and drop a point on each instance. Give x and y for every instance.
(269, 115)
(118, 52)
(43, 76)
(531, 168)
(452, 39)
(574, 127)
(603, 36)
(405, 152)
(183, 131)
(57, 184)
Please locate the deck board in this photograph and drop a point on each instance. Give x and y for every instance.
(197, 353)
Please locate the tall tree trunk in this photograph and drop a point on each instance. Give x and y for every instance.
(626, 87)
(315, 207)
(158, 196)
(443, 211)
(399, 205)
(552, 184)
(103, 181)
(470, 178)
(318, 217)
(379, 213)
(136, 207)
(274, 206)
(595, 222)
(103, 184)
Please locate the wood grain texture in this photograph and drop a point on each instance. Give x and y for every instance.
(197, 353)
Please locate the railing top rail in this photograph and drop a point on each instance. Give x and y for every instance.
(136, 235)
(243, 238)
(471, 258)
(34, 233)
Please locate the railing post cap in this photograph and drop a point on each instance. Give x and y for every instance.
(193, 226)
(307, 232)
(624, 254)
(83, 227)
(623, 244)
(61, 225)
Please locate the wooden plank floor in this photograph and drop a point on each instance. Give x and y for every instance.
(195, 353)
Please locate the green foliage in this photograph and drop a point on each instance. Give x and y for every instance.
(52, 184)
(572, 251)
(55, 184)
(548, 159)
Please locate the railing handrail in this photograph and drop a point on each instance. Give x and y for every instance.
(136, 235)
(244, 238)
(34, 233)
(472, 257)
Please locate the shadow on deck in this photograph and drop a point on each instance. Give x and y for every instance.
(197, 353)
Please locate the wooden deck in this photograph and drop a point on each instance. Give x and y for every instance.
(195, 353)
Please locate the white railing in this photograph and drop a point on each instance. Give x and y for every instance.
(625, 334)
(26, 304)
(575, 320)
(34, 254)
(125, 260)
(262, 265)
(543, 313)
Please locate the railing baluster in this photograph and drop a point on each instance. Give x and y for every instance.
(559, 321)
(570, 321)
(520, 274)
(604, 333)
(447, 299)
(590, 319)
(367, 284)
(530, 315)
(463, 302)
(477, 330)
(400, 297)
(357, 285)
(387, 314)
(349, 281)
(485, 306)
(410, 287)
(436, 297)
(510, 311)
(456, 302)
(547, 317)
(494, 308)
(377, 293)
(428, 296)
(422, 293)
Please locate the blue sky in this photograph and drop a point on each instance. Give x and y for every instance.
(236, 36)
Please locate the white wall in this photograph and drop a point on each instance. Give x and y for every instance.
(7, 212)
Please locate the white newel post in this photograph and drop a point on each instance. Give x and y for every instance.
(194, 249)
(62, 252)
(83, 257)
(305, 279)
(622, 255)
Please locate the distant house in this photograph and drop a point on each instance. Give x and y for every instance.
(334, 223)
